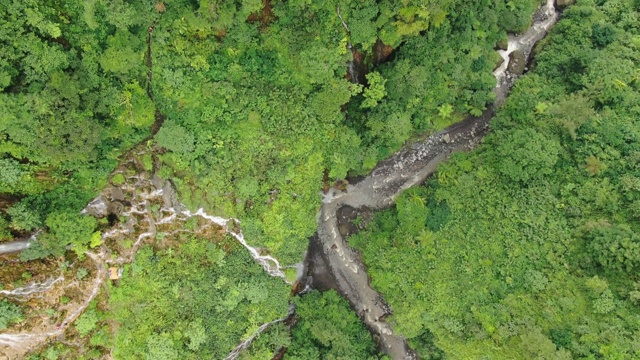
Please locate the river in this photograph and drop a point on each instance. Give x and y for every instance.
(337, 265)
(330, 262)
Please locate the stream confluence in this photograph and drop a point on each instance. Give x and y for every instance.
(330, 262)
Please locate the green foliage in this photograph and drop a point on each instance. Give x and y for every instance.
(137, 108)
(176, 138)
(64, 229)
(328, 329)
(161, 346)
(603, 34)
(257, 110)
(196, 301)
(561, 337)
(61, 351)
(71, 229)
(5, 233)
(413, 211)
(11, 173)
(605, 303)
(87, 322)
(572, 112)
(527, 155)
(445, 110)
(102, 337)
(23, 217)
(72, 99)
(147, 162)
(615, 247)
(538, 256)
(440, 75)
(9, 314)
(196, 334)
(82, 273)
(37, 250)
(375, 91)
(117, 179)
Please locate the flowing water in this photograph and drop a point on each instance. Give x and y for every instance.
(150, 206)
(544, 19)
(15, 345)
(18, 245)
(141, 191)
(407, 168)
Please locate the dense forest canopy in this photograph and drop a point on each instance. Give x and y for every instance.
(526, 248)
(254, 94)
(529, 247)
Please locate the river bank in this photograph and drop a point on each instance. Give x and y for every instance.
(336, 265)
(407, 168)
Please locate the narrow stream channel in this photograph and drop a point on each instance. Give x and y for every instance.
(330, 262)
(150, 206)
(337, 265)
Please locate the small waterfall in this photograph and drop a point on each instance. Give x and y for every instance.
(270, 264)
(32, 288)
(544, 18)
(408, 167)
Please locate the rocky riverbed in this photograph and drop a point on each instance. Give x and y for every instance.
(331, 263)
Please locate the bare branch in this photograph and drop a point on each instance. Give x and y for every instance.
(343, 22)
